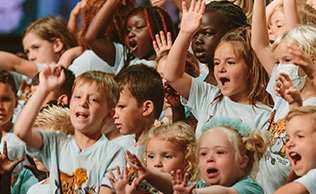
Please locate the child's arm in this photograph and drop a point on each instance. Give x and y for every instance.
(173, 99)
(175, 65)
(11, 62)
(161, 181)
(292, 188)
(291, 16)
(95, 38)
(121, 185)
(69, 55)
(161, 44)
(269, 9)
(181, 186)
(51, 78)
(260, 37)
(72, 24)
(287, 91)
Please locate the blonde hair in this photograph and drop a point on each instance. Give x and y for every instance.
(258, 78)
(253, 146)
(192, 65)
(181, 134)
(50, 28)
(302, 111)
(104, 81)
(55, 118)
(302, 36)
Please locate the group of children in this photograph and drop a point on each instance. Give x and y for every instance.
(255, 109)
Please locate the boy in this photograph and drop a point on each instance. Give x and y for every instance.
(140, 103)
(78, 163)
(300, 136)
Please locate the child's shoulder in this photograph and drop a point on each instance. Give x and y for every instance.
(309, 180)
(248, 185)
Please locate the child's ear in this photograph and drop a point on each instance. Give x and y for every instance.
(58, 45)
(314, 60)
(63, 99)
(244, 161)
(110, 114)
(148, 108)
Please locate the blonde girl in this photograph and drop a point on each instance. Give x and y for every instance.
(228, 153)
(240, 77)
(168, 147)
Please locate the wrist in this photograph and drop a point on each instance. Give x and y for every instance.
(195, 191)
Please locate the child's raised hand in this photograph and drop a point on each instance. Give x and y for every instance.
(161, 44)
(7, 165)
(181, 186)
(301, 59)
(138, 167)
(192, 18)
(52, 77)
(40, 175)
(121, 185)
(287, 90)
(172, 96)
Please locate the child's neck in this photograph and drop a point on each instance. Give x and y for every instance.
(140, 137)
(83, 141)
(6, 128)
(308, 91)
(210, 78)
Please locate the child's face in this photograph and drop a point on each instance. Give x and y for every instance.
(207, 37)
(128, 114)
(217, 159)
(276, 25)
(300, 138)
(166, 157)
(231, 73)
(8, 102)
(88, 109)
(39, 50)
(282, 56)
(138, 40)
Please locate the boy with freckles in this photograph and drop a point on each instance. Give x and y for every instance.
(300, 138)
(94, 96)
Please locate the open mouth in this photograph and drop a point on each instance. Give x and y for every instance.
(80, 114)
(199, 53)
(209, 171)
(224, 81)
(296, 158)
(132, 46)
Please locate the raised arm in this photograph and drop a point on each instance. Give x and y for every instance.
(72, 24)
(95, 38)
(260, 36)
(175, 65)
(292, 188)
(11, 62)
(291, 16)
(69, 55)
(51, 78)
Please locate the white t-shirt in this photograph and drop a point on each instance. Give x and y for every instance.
(203, 106)
(39, 188)
(81, 170)
(309, 181)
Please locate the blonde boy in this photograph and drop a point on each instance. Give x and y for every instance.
(300, 138)
(78, 163)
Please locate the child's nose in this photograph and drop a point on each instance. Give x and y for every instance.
(83, 102)
(198, 39)
(31, 56)
(158, 163)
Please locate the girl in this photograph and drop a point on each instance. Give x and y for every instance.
(241, 92)
(228, 153)
(176, 150)
(291, 49)
(141, 26)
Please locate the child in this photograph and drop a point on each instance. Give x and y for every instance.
(8, 101)
(176, 150)
(228, 152)
(173, 109)
(275, 165)
(299, 150)
(141, 26)
(74, 162)
(241, 92)
(140, 103)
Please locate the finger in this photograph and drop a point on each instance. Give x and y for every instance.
(173, 178)
(16, 162)
(198, 6)
(112, 175)
(192, 187)
(185, 179)
(163, 38)
(158, 39)
(125, 172)
(118, 172)
(5, 148)
(178, 177)
(169, 40)
(184, 8)
(192, 6)
(155, 47)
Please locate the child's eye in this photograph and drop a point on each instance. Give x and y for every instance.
(94, 100)
(121, 106)
(6, 99)
(202, 154)
(231, 62)
(220, 152)
(216, 63)
(168, 156)
(208, 34)
(150, 156)
(77, 97)
(277, 62)
(140, 27)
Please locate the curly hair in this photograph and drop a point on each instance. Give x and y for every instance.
(114, 31)
(182, 135)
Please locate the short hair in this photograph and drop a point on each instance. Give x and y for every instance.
(114, 30)
(192, 65)
(7, 78)
(104, 81)
(65, 88)
(254, 146)
(232, 15)
(144, 83)
(50, 28)
(181, 134)
(302, 36)
(240, 39)
(55, 118)
(302, 111)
